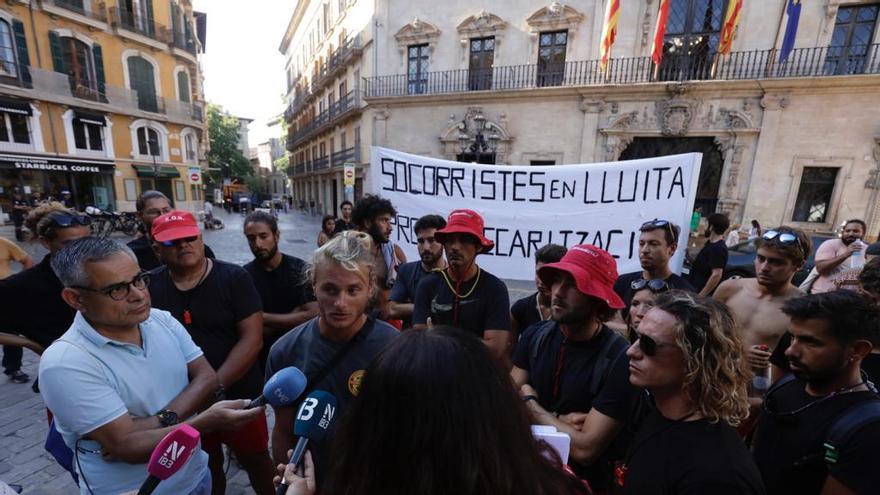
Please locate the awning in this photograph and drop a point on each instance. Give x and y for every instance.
(164, 172)
(10, 105)
(51, 164)
(86, 117)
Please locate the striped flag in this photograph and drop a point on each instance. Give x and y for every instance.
(731, 19)
(660, 32)
(791, 27)
(609, 32)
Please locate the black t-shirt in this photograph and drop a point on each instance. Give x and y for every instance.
(281, 290)
(342, 225)
(615, 396)
(404, 290)
(712, 256)
(31, 304)
(689, 458)
(224, 298)
(305, 348)
(146, 257)
(789, 449)
(870, 365)
(525, 312)
(19, 214)
(623, 288)
(487, 307)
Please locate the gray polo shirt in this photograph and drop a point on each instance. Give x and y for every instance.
(88, 380)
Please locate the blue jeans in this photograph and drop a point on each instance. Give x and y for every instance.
(204, 486)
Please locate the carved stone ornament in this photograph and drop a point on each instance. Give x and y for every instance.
(455, 129)
(734, 119)
(417, 32)
(624, 121)
(554, 17)
(614, 146)
(676, 116)
(480, 25)
(774, 102)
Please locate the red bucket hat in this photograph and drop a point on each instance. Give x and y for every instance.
(176, 224)
(594, 272)
(465, 222)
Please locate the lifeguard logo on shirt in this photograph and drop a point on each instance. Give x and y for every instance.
(354, 382)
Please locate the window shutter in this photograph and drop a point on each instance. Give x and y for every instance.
(98, 56)
(57, 56)
(175, 19)
(148, 5)
(24, 60)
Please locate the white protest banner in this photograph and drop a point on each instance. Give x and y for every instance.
(526, 207)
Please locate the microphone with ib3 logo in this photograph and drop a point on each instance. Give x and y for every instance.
(313, 419)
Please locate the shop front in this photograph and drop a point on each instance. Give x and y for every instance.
(89, 182)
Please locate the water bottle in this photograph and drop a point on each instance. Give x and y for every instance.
(760, 378)
(857, 260)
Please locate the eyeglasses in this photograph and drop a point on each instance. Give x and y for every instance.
(784, 238)
(64, 219)
(120, 291)
(177, 242)
(658, 224)
(648, 345)
(655, 285)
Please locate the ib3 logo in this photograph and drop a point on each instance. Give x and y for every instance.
(307, 411)
(172, 453)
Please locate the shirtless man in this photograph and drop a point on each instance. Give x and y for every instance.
(756, 302)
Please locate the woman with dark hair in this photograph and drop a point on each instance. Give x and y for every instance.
(644, 296)
(328, 228)
(437, 415)
(755, 232)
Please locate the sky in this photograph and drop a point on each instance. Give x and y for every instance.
(243, 69)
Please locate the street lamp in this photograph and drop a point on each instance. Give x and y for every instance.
(154, 150)
(481, 144)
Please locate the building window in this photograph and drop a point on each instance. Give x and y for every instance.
(814, 194)
(179, 190)
(130, 189)
(343, 144)
(343, 89)
(357, 137)
(189, 147)
(78, 65)
(196, 192)
(148, 142)
(183, 86)
(7, 51)
(14, 128)
(551, 58)
(851, 39)
(482, 59)
(142, 79)
(692, 35)
(417, 69)
(542, 162)
(88, 136)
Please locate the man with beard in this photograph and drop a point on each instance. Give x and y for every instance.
(800, 445)
(150, 205)
(536, 307)
(280, 279)
(464, 295)
(756, 303)
(345, 222)
(572, 370)
(410, 274)
(832, 257)
(708, 266)
(374, 215)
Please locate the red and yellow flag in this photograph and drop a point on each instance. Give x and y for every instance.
(609, 32)
(731, 19)
(660, 32)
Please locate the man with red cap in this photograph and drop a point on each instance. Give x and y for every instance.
(464, 295)
(220, 307)
(572, 371)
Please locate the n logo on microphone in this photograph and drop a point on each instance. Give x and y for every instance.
(172, 453)
(329, 411)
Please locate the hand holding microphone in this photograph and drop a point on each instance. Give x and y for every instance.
(300, 481)
(169, 456)
(313, 419)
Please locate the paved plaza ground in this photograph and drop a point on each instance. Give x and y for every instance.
(22, 414)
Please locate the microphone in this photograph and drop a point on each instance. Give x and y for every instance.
(169, 456)
(312, 422)
(283, 389)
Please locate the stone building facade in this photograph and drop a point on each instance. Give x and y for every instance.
(785, 142)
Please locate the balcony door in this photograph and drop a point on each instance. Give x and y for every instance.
(851, 40)
(481, 62)
(140, 73)
(417, 69)
(78, 65)
(551, 58)
(692, 35)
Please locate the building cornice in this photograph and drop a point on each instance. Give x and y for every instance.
(295, 19)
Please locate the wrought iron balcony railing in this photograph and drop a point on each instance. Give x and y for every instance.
(337, 111)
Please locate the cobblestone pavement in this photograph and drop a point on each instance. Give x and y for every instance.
(23, 423)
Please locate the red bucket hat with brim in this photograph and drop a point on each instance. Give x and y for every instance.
(176, 224)
(465, 222)
(594, 272)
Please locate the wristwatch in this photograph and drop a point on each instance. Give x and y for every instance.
(167, 418)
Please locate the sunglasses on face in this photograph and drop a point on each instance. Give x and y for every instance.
(120, 291)
(784, 238)
(658, 224)
(177, 242)
(648, 345)
(63, 219)
(655, 285)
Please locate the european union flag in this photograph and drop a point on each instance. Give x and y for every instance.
(794, 16)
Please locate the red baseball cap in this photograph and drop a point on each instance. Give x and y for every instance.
(594, 272)
(465, 222)
(176, 224)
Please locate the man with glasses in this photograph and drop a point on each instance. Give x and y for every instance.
(658, 240)
(572, 370)
(688, 356)
(124, 375)
(834, 255)
(410, 274)
(221, 309)
(820, 429)
(150, 206)
(756, 303)
(33, 313)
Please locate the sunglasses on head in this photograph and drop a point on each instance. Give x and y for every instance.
(655, 285)
(783, 237)
(177, 242)
(658, 224)
(64, 219)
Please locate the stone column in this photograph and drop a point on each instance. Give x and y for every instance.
(590, 127)
(773, 104)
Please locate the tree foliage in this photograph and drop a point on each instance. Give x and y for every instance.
(223, 131)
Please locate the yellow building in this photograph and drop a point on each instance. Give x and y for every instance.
(102, 99)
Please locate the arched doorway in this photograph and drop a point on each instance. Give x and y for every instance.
(710, 171)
